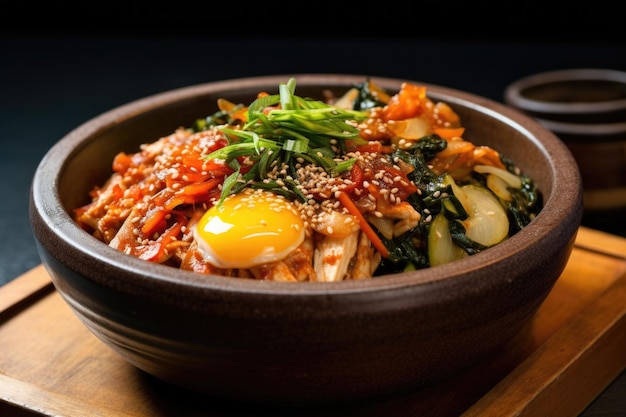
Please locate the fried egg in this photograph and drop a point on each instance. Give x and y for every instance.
(248, 229)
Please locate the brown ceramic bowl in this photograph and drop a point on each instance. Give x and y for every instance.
(304, 343)
(585, 96)
(586, 108)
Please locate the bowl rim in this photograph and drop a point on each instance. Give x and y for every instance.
(547, 220)
(513, 93)
(584, 129)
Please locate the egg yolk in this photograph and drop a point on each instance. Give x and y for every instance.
(248, 229)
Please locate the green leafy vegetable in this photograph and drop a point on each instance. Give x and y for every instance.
(288, 127)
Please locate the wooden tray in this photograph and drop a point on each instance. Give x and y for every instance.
(50, 364)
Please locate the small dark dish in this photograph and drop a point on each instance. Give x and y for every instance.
(285, 343)
(577, 95)
(586, 108)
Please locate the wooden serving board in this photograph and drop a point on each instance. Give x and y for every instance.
(51, 365)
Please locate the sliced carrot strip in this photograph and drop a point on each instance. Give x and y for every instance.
(449, 133)
(154, 221)
(365, 226)
(202, 187)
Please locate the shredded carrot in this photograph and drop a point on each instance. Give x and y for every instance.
(177, 200)
(154, 221)
(202, 187)
(156, 251)
(449, 132)
(365, 226)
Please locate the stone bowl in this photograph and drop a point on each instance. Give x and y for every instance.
(306, 343)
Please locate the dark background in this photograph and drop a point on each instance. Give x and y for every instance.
(60, 69)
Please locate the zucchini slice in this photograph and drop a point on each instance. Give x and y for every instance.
(488, 223)
(441, 248)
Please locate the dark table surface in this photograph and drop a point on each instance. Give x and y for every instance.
(51, 84)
